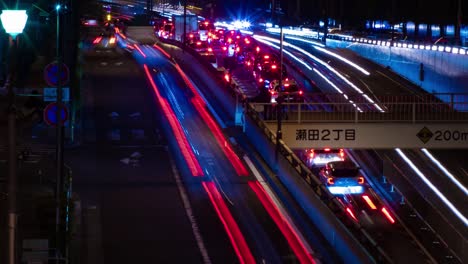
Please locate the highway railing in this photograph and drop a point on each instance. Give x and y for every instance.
(365, 112)
(415, 45)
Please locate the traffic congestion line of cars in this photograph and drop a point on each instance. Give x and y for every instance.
(230, 49)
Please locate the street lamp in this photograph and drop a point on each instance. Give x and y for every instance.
(13, 22)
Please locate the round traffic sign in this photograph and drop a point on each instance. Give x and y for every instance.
(51, 74)
(50, 114)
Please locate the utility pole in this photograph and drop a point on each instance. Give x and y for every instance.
(273, 8)
(12, 179)
(458, 23)
(185, 21)
(59, 137)
(279, 110)
(149, 8)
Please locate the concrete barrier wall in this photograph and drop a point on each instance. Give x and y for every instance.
(443, 72)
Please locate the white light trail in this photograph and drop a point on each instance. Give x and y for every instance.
(433, 187)
(442, 168)
(287, 52)
(344, 60)
(306, 41)
(336, 88)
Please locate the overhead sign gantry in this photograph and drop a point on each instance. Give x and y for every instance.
(390, 125)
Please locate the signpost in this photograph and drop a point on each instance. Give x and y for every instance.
(50, 114)
(50, 94)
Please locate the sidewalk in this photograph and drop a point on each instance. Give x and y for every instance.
(29, 105)
(36, 173)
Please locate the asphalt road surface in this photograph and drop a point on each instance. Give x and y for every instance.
(132, 208)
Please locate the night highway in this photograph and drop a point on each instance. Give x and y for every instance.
(260, 235)
(234, 132)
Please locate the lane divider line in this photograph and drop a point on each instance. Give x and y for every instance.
(189, 213)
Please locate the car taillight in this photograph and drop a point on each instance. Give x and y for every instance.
(300, 92)
(350, 212)
(210, 49)
(388, 215)
(330, 181)
(369, 202)
(226, 77)
(97, 40)
(261, 80)
(224, 48)
(312, 154)
(258, 49)
(360, 180)
(342, 153)
(327, 149)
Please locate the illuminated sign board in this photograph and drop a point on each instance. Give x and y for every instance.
(374, 135)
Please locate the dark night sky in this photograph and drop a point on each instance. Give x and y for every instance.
(356, 11)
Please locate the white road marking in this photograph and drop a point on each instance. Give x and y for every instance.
(189, 212)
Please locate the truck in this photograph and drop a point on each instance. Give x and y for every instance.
(191, 26)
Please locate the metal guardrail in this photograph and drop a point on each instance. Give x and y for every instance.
(402, 44)
(365, 112)
(312, 34)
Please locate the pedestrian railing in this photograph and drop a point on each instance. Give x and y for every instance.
(411, 112)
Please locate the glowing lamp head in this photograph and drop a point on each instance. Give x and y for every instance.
(13, 21)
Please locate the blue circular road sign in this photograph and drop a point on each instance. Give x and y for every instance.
(50, 74)
(50, 114)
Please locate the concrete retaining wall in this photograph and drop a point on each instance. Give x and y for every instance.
(443, 72)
